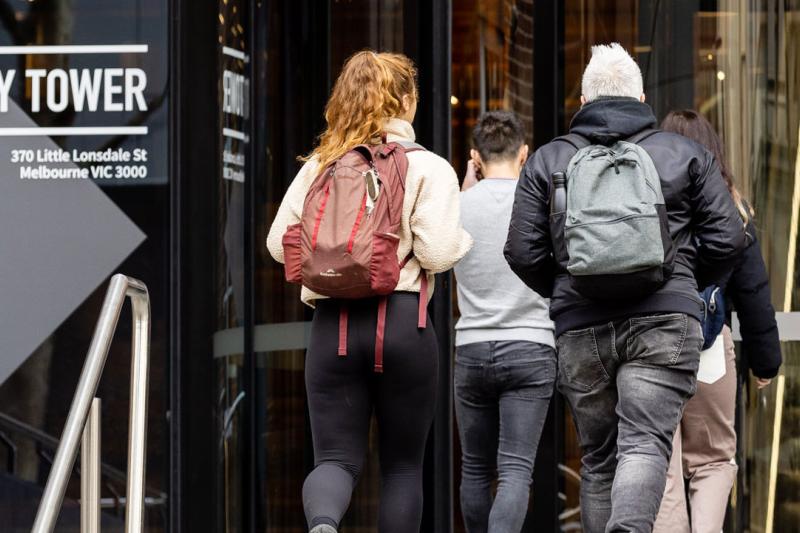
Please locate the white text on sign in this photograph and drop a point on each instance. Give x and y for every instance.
(103, 89)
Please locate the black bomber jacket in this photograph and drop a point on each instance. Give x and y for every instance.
(697, 201)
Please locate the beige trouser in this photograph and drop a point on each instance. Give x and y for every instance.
(704, 450)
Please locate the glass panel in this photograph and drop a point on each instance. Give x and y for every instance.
(229, 277)
(295, 91)
(771, 439)
(492, 66)
(40, 391)
(357, 24)
(757, 108)
(737, 62)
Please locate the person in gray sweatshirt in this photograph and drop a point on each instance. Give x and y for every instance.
(505, 365)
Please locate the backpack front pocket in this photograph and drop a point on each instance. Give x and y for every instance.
(617, 246)
(292, 255)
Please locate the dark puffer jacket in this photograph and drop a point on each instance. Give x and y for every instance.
(697, 202)
(748, 289)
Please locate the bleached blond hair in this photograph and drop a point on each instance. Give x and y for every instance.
(611, 72)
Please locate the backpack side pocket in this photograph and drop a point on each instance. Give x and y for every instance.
(292, 254)
(384, 267)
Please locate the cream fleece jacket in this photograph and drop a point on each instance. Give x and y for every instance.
(431, 222)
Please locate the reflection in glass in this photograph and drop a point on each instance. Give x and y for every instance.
(758, 110)
(492, 66)
(378, 25)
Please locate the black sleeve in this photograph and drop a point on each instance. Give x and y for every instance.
(717, 224)
(528, 248)
(749, 290)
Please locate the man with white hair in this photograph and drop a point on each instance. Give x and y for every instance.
(618, 223)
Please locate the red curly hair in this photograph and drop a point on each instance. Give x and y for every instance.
(368, 92)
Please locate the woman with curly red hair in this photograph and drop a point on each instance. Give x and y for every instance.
(373, 101)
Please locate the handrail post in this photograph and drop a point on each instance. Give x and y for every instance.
(90, 471)
(50, 505)
(137, 425)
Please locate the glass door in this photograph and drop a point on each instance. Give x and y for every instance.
(231, 392)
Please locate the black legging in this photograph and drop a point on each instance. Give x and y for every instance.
(344, 391)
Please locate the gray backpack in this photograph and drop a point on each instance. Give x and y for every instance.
(615, 225)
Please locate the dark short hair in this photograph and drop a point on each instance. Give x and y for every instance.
(498, 135)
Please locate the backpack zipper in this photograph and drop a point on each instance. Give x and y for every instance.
(614, 221)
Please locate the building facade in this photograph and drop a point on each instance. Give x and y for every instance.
(183, 122)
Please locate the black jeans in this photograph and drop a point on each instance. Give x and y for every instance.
(343, 393)
(502, 392)
(627, 382)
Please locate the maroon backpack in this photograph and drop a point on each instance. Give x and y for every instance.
(345, 245)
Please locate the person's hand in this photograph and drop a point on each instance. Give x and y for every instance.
(762, 382)
(472, 176)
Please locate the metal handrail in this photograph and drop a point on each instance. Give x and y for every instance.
(50, 506)
(10, 424)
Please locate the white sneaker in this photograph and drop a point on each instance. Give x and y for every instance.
(323, 528)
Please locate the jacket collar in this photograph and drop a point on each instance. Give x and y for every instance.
(398, 129)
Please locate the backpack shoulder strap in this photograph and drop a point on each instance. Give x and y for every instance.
(408, 146)
(365, 152)
(576, 140)
(642, 135)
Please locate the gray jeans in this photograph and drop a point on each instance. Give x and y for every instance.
(627, 382)
(502, 392)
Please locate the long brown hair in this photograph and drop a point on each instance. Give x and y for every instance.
(693, 125)
(368, 92)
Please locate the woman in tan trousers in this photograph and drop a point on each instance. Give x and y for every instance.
(704, 447)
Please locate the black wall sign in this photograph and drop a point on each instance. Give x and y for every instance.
(97, 86)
